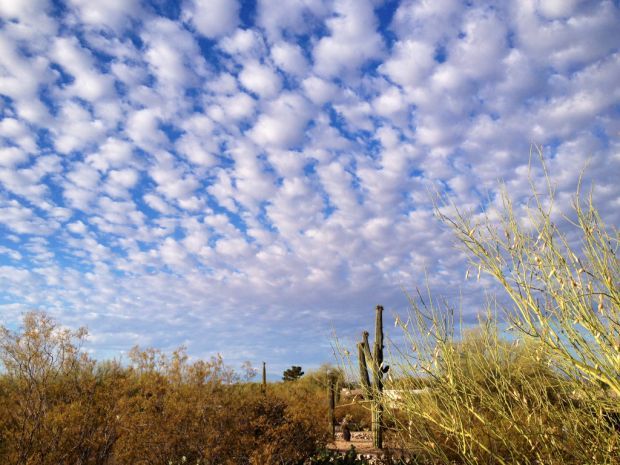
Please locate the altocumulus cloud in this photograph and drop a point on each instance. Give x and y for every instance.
(243, 176)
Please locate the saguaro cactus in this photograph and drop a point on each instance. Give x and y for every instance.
(264, 385)
(373, 363)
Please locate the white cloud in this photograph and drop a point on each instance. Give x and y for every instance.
(289, 58)
(554, 9)
(84, 176)
(16, 131)
(283, 123)
(173, 254)
(319, 90)
(391, 104)
(113, 153)
(172, 54)
(198, 143)
(77, 129)
(357, 112)
(23, 220)
(114, 14)
(21, 79)
(158, 204)
(89, 83)
(294, 16)
(295, 207)
(353, 40)
(77, 228)
(126, 178)
(260, 79)
(143, 129)
(196, 150)
(589, 35)
(212, 18)
(410, 63)
(31, 13)
(27, 182)
(173, 183)
(243, 43)
(239, 106)
(11, 156)
(480, 52)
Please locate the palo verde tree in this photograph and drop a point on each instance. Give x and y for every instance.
(564, 281)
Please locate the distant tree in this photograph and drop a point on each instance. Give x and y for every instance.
(292, 373)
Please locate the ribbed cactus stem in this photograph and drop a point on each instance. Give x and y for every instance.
(378, 349)
(264, 385)
(377, 410)
(364, 378)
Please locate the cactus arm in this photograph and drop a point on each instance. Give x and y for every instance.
(370, 362)
(365, 379)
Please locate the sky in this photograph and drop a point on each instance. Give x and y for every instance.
(250, 177)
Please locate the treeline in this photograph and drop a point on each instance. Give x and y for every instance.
(59, 406)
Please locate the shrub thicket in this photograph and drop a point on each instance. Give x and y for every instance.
(57, 406)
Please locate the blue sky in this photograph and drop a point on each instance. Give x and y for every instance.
(247, 177)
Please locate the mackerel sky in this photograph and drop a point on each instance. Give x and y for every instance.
(245, 177)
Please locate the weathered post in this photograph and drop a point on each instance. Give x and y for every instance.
(374, 362)
(264, 385)
(331, 394)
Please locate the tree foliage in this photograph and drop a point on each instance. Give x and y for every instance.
(292, 374)
(563, 281)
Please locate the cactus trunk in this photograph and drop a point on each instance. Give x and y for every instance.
(264, 385)
(377, 427)
(331, 390)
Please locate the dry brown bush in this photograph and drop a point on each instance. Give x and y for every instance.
(57, 406)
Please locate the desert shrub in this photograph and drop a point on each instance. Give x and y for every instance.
(194, 410)
(57, 406)
(54, 409)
